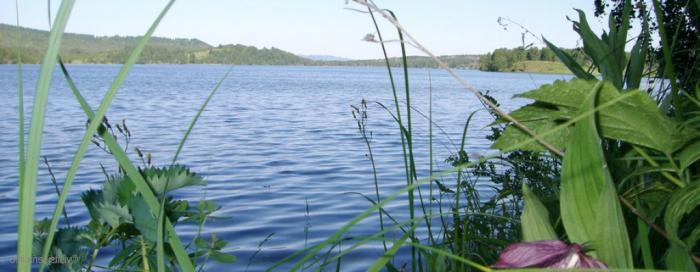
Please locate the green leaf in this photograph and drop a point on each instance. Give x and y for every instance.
(586, 188)
(144, 221)
(602, 54)
(222, 257)
(633, 118)
(569, 61)
(140, 184)
(682, 203)
(174, 177)
(514, 136)
(611, 241)
(638, 56)
(689, 155)
(535, 219)
(105, 210)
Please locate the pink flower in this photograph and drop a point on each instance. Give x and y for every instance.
(546, 254)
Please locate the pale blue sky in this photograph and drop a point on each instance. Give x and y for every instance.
(319, 26)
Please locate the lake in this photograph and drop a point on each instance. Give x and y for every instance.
(273, 139)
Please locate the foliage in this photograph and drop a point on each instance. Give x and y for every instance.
(120, 216)
(530, 59)
(643, 159)
(681, 19)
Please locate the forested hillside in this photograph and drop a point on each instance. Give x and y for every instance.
(82, 48)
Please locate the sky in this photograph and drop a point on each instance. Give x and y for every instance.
(321, 27)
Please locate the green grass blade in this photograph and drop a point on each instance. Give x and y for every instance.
(635, 68)
(667, 51)
(382, 261)
(569, 61)
(180, 253)
(20, 98)
(27, 187)
(535, 219)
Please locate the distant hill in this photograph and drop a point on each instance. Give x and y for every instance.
(83, 48)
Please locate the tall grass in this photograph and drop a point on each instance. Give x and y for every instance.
(27, 184)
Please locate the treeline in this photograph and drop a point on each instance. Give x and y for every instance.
(508, 60)
(453, 61)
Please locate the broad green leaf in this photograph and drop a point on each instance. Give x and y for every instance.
(633, 118)
(586, 185)
(174, 177)
(583, 178)
(535, 219)
(569, 61)
(611, 242)
(682, 203)
(144, 221)
(513, 136)
(689, 155)
(104, 209)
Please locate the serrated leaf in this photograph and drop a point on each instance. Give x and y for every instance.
(104, 209)
(174, 177)
(585, 184)
(144, 221)
(535, 219)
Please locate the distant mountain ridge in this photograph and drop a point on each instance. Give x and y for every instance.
(85, 48)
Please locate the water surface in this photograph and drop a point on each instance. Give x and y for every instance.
(272, 140)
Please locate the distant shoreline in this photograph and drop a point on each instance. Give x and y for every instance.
(315, 65)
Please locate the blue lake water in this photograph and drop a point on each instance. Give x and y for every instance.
(273, 139)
